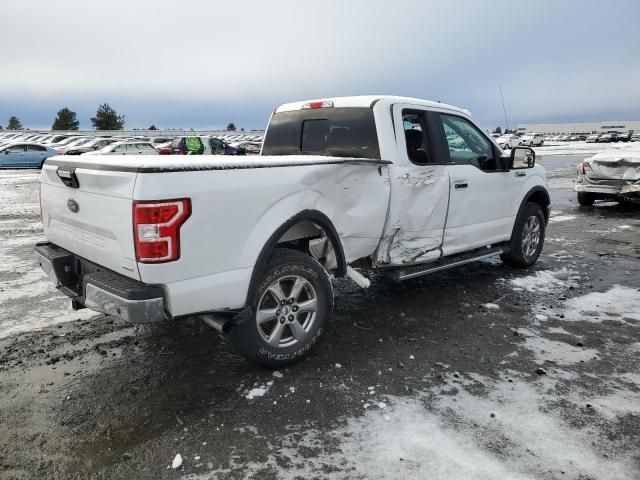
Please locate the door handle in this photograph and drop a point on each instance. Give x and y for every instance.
(460, 185)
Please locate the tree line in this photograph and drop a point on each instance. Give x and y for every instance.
(106, 118)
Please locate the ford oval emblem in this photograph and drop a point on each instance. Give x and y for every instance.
(73, 205)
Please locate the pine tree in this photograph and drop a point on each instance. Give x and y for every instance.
(14, 124)
(66, 120)
(107, 119)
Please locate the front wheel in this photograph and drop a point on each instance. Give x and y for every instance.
(586, 199)
(527, 238)
(292, 306)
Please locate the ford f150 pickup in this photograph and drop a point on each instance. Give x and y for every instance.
(250, 244)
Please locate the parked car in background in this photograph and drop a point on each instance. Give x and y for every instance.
(532, 140)
(25, 155)
(77, 143)
(592, 139)
(164, 148)
(126, 148)
(57, 139)
(66, 141)
(509, 140)
(92, 145)
(250, 148)
(155, 141)
(202, 145)
(605, 138)
(610, 175)
(621, 137)
(635, 137)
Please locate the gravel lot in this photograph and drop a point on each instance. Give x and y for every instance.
(484, 372)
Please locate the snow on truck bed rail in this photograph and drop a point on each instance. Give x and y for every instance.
(173, 163)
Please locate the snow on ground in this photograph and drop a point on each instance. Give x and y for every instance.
(516, 431)
(561, 353)
(619, 303)
(28, 300)
(561, 218)
(546, 281)
(514, 426)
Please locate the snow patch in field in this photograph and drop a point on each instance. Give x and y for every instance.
(560, 353)
(514, 432)
(618, 303)
(258, 391)
(561, 218)
(546, 281)
(491, 306)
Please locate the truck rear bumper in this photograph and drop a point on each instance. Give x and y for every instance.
(94, 287)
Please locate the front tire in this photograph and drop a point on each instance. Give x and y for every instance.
(527, 238)
(292, 307)
(586, 199)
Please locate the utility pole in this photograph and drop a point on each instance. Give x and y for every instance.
(503, 107)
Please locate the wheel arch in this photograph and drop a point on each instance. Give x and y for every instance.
(539, 195)
(309, 215)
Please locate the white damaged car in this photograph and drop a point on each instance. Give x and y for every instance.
(610, 175)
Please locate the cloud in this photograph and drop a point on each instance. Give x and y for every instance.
(171, 59)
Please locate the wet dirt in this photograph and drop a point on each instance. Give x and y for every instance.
(98, 398)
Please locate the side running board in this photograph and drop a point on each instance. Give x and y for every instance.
(399, 274)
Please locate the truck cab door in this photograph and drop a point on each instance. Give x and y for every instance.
(482, 188)
(419, 193)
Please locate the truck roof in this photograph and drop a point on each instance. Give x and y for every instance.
(368, 101)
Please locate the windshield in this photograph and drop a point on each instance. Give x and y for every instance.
(332, 132)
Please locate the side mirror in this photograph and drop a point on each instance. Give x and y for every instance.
(522, 157)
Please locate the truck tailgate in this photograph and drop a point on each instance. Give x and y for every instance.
(94, 218)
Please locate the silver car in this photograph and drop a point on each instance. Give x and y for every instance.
(610, 175)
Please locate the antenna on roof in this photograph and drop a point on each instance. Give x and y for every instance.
(503, 108)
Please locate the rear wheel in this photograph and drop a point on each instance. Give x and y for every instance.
(527, 238)
(586, 199)
(292, 306)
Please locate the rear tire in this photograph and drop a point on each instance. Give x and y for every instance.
(527, 238)
(586, 199)
(292, 307)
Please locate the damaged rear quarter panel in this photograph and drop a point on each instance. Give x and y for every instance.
(235, 212)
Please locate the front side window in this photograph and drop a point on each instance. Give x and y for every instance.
(336, 132)
(467, 145)
(36, 148)
(15, 149)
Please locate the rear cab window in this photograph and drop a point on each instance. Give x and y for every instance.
(332, 132)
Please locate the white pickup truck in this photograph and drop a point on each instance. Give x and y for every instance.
(250, 244)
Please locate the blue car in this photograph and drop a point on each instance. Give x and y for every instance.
(24, 155)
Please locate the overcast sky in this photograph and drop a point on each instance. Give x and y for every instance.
(201, 64)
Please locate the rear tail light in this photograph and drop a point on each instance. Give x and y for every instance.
(156, 229)
(584, 166)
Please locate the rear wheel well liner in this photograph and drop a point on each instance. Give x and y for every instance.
(270, 246)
